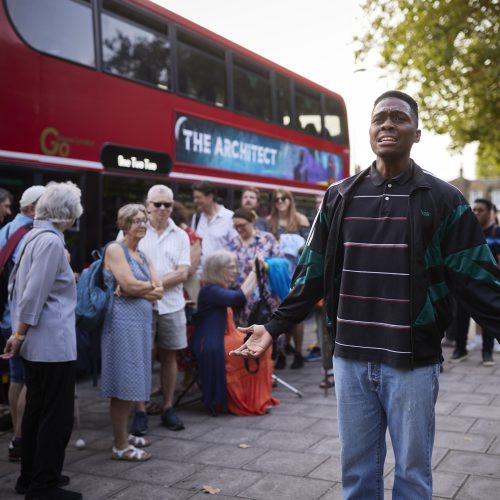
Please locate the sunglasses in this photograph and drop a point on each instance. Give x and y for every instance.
(159, 204)
(279, 199)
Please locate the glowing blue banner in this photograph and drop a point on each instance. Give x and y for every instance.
(205, 143)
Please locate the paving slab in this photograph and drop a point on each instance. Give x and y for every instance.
(161, 472)
(282, 487)
(229, 481)
(462, 441)
(286, 462)
(471, 463)
(289, 441)
(452, 423)
(479, 488)
(150, 492)
(477, 411)
(227, 456)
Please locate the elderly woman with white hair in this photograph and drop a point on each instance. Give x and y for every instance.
(42, 297)
(226, 384)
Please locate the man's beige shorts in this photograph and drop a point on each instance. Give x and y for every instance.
(169, 330)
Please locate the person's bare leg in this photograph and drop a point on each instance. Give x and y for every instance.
(17, 400)
(119, 410)
(168, 376)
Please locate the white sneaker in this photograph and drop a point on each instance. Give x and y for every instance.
(477, 343)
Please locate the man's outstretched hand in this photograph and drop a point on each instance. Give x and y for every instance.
(260, 339)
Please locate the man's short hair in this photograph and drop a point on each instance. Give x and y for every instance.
(5, 195)
(251, 189)
(485, 202)
(205, 187)
(160, 189)
(397, 94)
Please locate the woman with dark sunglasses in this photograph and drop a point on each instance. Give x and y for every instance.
(291, 228)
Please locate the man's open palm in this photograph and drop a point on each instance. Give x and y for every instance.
(255, 346)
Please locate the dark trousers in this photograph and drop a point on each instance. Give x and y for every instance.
(47, 422)
(460, 329)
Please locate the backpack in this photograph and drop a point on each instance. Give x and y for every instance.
(6, 264)
(92, 296)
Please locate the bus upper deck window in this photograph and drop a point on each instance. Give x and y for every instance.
(252, 89)
(61, 28)
(283, 100)
(308, 108)
(201, 70)
(135, 46)
(335, 120)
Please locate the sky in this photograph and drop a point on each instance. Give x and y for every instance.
(315, 39)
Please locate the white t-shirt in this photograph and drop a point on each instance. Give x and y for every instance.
(166, 252)
(216, 233)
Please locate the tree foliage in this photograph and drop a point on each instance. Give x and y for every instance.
(449, 51)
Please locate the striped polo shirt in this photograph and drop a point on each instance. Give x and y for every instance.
(373, 322)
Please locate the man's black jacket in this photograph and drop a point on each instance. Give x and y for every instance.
(448, 254)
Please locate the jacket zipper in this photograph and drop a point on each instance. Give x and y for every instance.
(412, 268)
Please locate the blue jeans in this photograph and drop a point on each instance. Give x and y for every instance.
(372, 397)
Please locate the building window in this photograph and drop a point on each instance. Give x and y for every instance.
(135, 46)
(201, 70)
(474, 194)
(495, 197)
(61, 28)
(252, 89)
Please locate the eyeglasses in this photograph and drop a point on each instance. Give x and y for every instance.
(138, 222)
(159, 204)
(280, 199)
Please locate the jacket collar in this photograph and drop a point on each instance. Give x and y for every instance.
(417, 181)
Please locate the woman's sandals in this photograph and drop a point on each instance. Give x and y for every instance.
(132, 453)
(138, 441)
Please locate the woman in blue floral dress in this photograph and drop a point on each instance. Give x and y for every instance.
(249, 244)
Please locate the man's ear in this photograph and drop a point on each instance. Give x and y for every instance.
(418, 134)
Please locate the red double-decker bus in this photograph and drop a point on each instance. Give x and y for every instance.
(118, 95)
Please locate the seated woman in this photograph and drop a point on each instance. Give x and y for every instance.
(126, 339)
(226, 382)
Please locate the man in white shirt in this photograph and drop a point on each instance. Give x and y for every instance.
(167, 245)
(213, 222)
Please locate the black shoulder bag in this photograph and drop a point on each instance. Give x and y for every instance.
(260, 313)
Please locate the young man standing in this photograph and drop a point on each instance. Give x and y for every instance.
(213, 222)
(386, 248)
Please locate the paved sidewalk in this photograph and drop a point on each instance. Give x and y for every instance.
(293, 452)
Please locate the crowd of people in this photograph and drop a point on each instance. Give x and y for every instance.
(163, 258)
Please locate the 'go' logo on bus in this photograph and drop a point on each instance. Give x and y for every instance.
(52, 143)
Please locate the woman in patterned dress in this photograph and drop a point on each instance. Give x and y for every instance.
(126, 337)
(249, 244)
